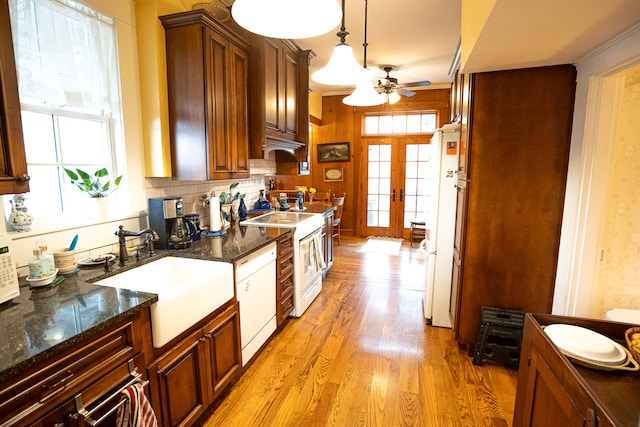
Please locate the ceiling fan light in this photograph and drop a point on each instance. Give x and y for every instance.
(287, 19)
(393, 97)
(365, 94)
(342, 68)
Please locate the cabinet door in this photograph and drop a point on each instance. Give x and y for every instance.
(547, 402)
(223, 352)
(13, 163)
(271, 54)
(228, 124)
(238, 112)
(178, 381)
(291, 93)
(458, 242)
(465, 106)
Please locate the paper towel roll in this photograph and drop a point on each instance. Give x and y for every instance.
(214, 213)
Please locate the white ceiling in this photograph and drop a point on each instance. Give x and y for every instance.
(420, 37)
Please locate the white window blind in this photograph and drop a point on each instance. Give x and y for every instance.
(69, 88)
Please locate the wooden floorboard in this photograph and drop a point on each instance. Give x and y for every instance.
(361, 355)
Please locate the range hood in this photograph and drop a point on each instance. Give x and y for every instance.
(290, 156)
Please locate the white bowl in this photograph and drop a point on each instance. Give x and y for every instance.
(44, 281)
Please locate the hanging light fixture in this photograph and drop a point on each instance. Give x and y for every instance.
(365, 94)
(342, 68)
(287, 19)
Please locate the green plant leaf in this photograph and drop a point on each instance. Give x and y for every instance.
(71, 174)
(101, 173)
(85, 176)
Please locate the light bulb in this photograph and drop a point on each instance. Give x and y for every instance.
(394, 97)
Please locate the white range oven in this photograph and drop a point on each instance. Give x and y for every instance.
(307, 252)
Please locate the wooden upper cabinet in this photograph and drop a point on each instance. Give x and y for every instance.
(208, 80)
(279, 95)
(13, 164)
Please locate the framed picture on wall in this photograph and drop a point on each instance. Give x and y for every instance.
(333, 152)
(333, 174)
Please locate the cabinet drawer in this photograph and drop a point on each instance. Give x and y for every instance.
(286, 285)
(285, 266)
(285, 308)
(100, 401)
(285, 246)
(51, 383)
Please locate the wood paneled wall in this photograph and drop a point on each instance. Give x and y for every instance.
(342, 123)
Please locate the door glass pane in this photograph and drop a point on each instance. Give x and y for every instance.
(413, 123)
(378, 185)
(400, 124)
(417, 169)
(371, 125)
(386, 125)
(385, 152)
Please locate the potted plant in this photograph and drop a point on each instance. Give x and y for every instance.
(97, 186)
(92, 184)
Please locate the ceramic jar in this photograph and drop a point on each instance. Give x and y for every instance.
(20, 218)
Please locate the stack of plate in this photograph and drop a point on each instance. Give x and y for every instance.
(590, 348)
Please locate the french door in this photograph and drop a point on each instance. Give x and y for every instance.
(394, 183)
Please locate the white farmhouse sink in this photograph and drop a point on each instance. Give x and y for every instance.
(188, 290)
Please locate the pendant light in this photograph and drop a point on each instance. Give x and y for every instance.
(287, 19)
(365, 94)
(342, 68)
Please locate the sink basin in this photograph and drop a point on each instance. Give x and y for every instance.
(188, 290)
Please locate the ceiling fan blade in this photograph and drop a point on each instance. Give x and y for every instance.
(405, 92)
(417, 84)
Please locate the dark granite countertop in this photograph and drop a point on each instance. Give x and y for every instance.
(42, 322)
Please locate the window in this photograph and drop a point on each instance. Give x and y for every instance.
(69, 92)
(402, 123)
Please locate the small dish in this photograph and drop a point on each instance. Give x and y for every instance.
(99, 260)
(44, 281)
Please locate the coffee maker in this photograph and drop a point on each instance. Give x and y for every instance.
(166, 216)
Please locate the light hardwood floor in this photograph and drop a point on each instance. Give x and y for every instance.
(361, 355)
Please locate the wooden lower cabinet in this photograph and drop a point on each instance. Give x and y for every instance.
(187, 379)
(94, 369)
(552, 391)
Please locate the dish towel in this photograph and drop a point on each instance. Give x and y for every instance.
(136, 411)
(316, 251)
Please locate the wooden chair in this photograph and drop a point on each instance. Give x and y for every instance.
(322, 196)
(417, 230)
(338, 202)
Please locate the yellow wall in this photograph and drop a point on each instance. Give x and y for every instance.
(475, 15)
(619, 277)
(315, 105)
(152, 62)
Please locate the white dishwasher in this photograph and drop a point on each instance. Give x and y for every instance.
(256, 293)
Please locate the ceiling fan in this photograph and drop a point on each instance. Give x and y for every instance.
(390, 86)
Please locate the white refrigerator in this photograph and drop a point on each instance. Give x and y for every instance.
(441, 216)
